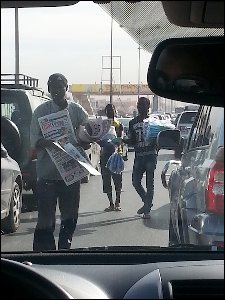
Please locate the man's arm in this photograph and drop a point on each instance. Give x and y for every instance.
(82, 119)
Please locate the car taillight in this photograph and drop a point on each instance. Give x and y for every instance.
(215, 188)
(33, 154)
(219, 244)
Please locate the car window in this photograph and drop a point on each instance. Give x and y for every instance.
(206, 126)
(197, 136)
(7, 109)
(187, 117)
(11, 107)
(215, 122)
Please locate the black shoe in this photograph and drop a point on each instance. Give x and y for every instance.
(144, 210)
(141, 210)
(110, 208)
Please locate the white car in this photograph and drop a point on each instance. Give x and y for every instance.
(11, 193)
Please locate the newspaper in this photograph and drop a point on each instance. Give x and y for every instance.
(72, 164)
(56, 125)
(94, 130)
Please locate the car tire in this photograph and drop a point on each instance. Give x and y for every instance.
(12, 221)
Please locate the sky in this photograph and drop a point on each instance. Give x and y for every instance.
(69, 40)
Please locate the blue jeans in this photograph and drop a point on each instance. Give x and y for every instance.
(144, 164)
(48, 191)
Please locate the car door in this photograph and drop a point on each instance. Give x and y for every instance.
(186, 180)
(6, 183)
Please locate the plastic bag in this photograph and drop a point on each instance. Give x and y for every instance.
(115, 163)
(152, 127)
(111, 134)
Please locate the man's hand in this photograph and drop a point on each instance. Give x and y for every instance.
(117, 141)
(44, 143)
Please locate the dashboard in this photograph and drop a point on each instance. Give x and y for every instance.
(125, 276)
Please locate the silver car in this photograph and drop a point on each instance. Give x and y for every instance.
(11, 193)
(196, 185)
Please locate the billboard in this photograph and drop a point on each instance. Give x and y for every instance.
(104, 89)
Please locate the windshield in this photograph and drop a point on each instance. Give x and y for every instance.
(76, 176)
(187, 117)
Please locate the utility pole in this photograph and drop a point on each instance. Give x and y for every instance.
(139, 64)
(111, 59)
(16, 46)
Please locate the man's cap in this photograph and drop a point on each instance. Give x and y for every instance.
(54, 78)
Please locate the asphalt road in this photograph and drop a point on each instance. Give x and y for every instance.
(98, 228)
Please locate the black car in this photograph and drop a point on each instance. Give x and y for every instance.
(18, 102)
(196, 186)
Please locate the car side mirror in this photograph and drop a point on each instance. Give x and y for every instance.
(4, 152)
(169, 139)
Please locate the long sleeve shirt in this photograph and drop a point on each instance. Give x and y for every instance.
(45, 167)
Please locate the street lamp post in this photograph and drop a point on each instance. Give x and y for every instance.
(139, 64)
(16, 46)
(111, 59)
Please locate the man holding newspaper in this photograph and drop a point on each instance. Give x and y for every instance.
(61, 163)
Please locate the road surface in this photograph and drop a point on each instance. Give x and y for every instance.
(98, 228)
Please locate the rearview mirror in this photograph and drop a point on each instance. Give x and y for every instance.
(189, 70)
(169, 139)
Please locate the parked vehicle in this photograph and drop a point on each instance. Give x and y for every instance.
(185, 121)
(158, 116)
(196, 186)
(191, 107)
(18, 102)
(11, 192)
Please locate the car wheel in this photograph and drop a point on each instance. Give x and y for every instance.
(12, 221)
